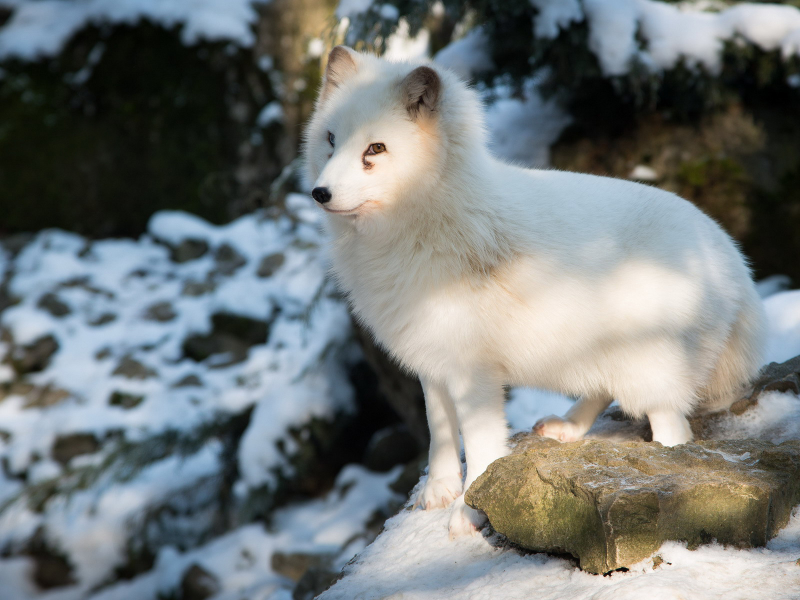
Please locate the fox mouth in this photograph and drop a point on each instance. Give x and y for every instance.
(351, 212)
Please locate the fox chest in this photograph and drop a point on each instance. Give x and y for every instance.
(424, 327)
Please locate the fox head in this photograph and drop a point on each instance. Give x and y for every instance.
(376, 135)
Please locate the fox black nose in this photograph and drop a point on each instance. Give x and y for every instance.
(321, 195)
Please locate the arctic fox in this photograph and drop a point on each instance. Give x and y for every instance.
(475, 274)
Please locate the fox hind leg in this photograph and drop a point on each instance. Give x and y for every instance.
(578, 420)
(670, 427)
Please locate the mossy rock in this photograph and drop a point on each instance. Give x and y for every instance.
(613, 504)
(127, 120)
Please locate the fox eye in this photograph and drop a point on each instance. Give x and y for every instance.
(331, 139)
(376, 148)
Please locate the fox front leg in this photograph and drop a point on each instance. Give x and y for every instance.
(478, 400)
(444, 483)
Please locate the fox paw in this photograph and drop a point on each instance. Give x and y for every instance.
(557, 428)
(439, 492)
(465, 520)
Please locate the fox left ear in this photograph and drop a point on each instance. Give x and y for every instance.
(342, 64)
(421, 91)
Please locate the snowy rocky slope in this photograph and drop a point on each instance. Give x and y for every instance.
(154, 387)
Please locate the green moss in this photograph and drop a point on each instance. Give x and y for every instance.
(711, 171)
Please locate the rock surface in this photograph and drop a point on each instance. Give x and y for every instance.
(611, 505)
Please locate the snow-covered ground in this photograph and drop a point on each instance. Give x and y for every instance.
(413, 559)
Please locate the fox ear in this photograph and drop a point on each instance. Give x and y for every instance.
(342, 64)
(421, 91)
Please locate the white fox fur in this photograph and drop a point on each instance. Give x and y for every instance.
(475, 274)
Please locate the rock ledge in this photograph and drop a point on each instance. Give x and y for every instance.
(613, 504)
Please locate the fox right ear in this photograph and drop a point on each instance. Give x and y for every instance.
(342, 64)
(422, 90)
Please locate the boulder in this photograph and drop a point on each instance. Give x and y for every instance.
(611, 505)
(269, 264)
(103, 319)
(231, 335)
(390, 446)
(51, 567)
(198, 584)
(197, 288)
(396, 387)
(51, 303)
(294, 565)
(34, 357)
(132, 369)
(228, 260)
(160, 311)
(189, 249)
(125, 400)
(67, 447)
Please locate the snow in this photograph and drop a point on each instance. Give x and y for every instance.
(352, 8)
(328, 524)
(94, 527)
(783, 310)
(125, 279)
(389, 12)
(643, 173)
(555, 16)
(523, 129)
(467, 56)
(772, 285)
(15, 575)
(271, 113)
(414, 559)
(776, 418)
(240, 560)
(526, 406)
(612, 27)
(767, 26)
(40, 28)
(670, 32)
(402, 46)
